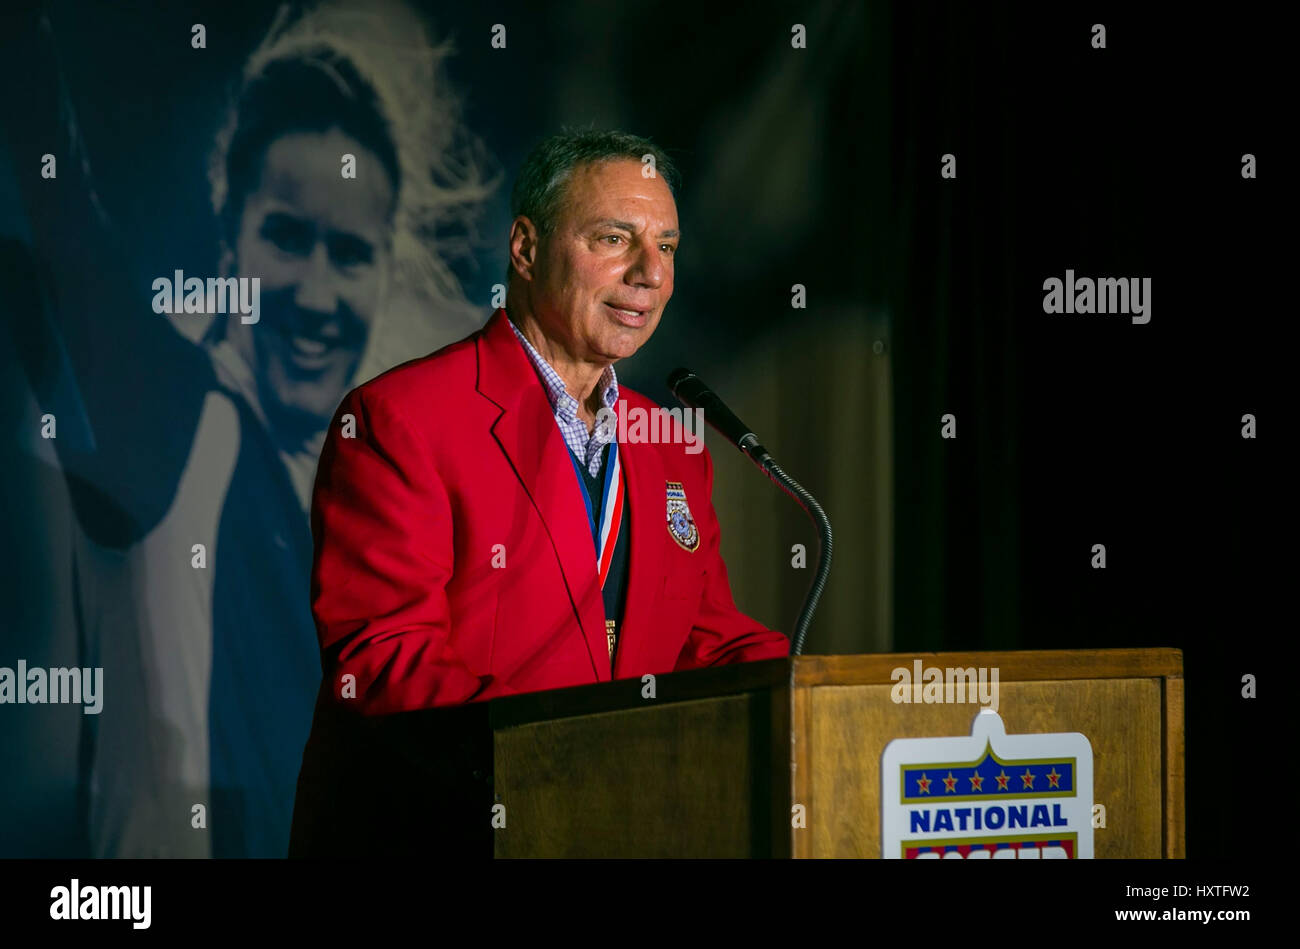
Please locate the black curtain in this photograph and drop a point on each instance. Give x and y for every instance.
(1076, 430)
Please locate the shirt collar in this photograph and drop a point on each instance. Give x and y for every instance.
(561, 402)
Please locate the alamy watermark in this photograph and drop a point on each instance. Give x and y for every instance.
(935, 685)
(182, 294)
(657, 426)
(59, 686)
(75, 901)
(1125, 295)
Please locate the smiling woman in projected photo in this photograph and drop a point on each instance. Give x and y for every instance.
(339, 160)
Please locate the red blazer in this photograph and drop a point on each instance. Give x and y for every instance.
(455, 454)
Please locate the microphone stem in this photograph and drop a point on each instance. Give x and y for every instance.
(801, 496)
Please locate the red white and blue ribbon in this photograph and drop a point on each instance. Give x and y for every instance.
(611, 513)
(605, 535)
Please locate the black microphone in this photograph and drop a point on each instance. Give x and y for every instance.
(691, 391)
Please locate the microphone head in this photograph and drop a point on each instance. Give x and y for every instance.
(677, 377)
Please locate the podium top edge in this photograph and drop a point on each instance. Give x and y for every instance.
(1012, 666)
(799, 672)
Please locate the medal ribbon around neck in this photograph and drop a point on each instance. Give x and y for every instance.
(605, 535)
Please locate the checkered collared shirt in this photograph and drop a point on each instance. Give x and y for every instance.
(585, 445)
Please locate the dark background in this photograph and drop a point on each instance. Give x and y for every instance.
(821, 167)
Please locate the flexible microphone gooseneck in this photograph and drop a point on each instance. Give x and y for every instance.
(691, 391)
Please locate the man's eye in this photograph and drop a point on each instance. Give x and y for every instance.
(670, 248)
(612, 237)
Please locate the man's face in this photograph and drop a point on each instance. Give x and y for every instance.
(603, 277)
(319, 243)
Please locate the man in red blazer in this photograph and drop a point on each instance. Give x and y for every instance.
(479, 530)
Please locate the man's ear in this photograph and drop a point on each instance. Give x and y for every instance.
(523, 246)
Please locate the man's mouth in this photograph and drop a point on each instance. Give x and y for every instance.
(634, 316)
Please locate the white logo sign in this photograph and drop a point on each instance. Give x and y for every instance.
(990, 796)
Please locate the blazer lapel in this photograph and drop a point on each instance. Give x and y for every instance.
(644, 473)
(527, 433)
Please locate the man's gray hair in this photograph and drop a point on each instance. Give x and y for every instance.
(539, 189)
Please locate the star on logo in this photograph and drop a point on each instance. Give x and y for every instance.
(1054, 778)
(1028, 779)
(976, 782)
(1002, 780)
(923, 783)
(949, 784)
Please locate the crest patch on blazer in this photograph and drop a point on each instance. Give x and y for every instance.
(680, 523)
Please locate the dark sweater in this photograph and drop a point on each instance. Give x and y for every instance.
(615, 591)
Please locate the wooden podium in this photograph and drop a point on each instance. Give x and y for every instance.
(711, 765)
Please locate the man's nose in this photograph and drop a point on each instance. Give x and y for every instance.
(647, 268)
(316, 289)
